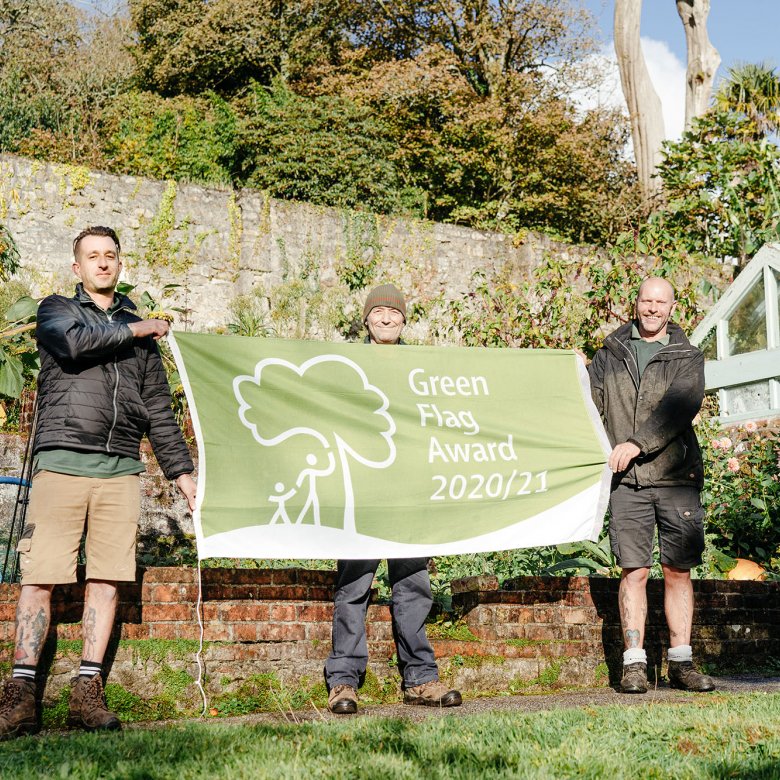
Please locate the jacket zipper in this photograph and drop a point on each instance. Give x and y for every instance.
(113, 399)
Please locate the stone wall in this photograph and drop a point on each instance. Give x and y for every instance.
(218, 243)
(549, 631)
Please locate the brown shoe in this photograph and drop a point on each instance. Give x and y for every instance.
(683, 674)
(17, 709)
(343, 700)
(433, 694)
(88, 706)
(634, 678)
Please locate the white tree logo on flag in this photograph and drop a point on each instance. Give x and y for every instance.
(367, 439)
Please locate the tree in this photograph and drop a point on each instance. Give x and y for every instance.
(702, 57)
(644, 105)
(357, 427)
(722, 184)
(752, 91)
(488, 39)
(325, 150)
(189, 46)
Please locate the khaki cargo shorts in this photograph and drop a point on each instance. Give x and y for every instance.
(60, 506)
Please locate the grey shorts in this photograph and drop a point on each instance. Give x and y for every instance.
(634, 515)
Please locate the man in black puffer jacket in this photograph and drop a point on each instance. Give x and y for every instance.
(647, 382)
(101, 388)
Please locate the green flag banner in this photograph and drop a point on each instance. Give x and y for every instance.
(319, 450)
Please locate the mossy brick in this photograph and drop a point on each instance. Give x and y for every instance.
(153, 613)
(167, 574)
(236, 612)
(314, 612)
(377, 613)
(283, 592)
(172, 593)
(548, 614)
(319, 631)
(281, 632)
(135, 631)
(379, 630)
(479, 583)
(245, 632)
(579, 616)
(283, 612)
(216, 631)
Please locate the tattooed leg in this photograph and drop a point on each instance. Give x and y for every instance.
(98, 620)
(678, 604)
(632, 598)
(33, 613)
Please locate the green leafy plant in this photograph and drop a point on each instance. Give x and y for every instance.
(742, 491)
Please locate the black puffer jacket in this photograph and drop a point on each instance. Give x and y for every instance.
(655, 413)
(100, 389)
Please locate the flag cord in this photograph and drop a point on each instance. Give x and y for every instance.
(199, 654)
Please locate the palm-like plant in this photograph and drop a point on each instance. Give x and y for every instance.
(752, 90)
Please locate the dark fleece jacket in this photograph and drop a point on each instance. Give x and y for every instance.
(656, 412)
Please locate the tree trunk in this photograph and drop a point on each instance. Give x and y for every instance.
(703, 58)
(644, 105)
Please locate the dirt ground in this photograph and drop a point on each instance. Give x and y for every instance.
(592, 697)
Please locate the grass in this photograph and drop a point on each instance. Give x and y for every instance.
(718, 736)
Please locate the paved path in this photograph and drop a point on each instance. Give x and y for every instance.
(591, 697)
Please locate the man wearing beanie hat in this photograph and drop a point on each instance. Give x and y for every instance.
(384, 316)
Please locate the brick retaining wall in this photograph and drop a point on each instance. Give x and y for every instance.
(278, 621)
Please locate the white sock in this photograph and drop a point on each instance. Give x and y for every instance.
(680, 653)
(634, 655)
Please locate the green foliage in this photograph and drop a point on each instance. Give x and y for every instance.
(742, 492)
(325, 150)
(589, 558)
(567, 305)
(265, 693)
(722, 183)
(9, 254)
(179, 138)
(19, 362)
(247, 317)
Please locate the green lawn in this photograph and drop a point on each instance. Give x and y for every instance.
(721, 736)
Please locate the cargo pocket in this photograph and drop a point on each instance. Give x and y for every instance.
(25, 540)
(692, 524)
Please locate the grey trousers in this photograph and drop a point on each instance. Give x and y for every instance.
(412, 600)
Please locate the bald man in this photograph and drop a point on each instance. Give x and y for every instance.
(647, 382)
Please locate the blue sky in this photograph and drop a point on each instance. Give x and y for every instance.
(741, 30)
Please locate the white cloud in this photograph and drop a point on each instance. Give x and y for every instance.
(666, 71)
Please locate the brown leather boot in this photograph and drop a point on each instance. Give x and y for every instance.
(88, 706)
(683, 674)
(17, 709)
(433, 694)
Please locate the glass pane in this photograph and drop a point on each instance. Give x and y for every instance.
(709, 345)
(748, 398)
(747, 326)
(777, 280)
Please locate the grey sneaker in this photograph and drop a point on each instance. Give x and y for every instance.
(343, 700)
(17, 709)
(683, 674)
(88, 708)
(634, 678)
(433, 694)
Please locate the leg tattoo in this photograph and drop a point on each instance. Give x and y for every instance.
(90, 635)
(31, 634)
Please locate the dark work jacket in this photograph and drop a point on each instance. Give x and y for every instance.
(655, 413)
(100, 389)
